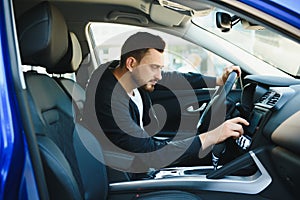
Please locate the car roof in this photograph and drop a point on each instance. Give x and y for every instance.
(281, 15)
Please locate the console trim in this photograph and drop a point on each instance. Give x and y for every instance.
(253, 184)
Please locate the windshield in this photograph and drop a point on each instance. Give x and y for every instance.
(269, 46)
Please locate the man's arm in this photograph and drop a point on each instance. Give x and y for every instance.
(177, 80)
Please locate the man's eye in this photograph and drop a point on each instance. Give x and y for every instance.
(156, 66)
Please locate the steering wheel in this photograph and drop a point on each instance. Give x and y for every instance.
(218, 113)
(216, 104)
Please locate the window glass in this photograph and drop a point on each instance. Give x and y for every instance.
(42, 70)
(180, 54)
(265, 44)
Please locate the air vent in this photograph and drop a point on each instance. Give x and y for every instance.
(273, 99)
(270, 98)
(264, 97)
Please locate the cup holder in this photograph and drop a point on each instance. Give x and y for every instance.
(184, 171)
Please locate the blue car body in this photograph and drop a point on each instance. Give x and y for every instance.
(287, 11)
(17, 180)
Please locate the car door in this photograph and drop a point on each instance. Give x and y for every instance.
(20, 173)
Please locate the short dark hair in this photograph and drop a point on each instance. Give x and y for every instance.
(138, 44)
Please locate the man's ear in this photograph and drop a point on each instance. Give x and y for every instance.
(130, 63)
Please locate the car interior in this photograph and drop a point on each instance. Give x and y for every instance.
(69, 161)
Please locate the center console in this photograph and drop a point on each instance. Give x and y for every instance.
(199, 178)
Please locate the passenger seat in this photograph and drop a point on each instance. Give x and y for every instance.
(72, 172)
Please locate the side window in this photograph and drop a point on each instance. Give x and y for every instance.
(180, 55)
(184, 56)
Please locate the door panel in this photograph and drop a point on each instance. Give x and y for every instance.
(175, 110)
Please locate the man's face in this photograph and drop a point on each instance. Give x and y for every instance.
(148, 71)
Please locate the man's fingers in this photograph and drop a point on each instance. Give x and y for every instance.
(236, 135)
(226, 71)
(240, 121)
(237, 128)
(234, 68)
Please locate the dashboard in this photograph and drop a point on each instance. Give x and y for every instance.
(266, 103)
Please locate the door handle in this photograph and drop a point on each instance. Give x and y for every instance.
(191, 109)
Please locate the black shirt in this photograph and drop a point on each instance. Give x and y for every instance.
(118, 130)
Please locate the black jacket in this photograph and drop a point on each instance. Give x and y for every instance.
(108, 104)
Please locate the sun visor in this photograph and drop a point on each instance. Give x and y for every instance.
(173, 13)
(165, 16)
(195, 8)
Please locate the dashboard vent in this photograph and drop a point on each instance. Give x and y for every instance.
(264, 97)
(273, 100)
(270, 98)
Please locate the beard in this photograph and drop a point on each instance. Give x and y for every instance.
(148, 87)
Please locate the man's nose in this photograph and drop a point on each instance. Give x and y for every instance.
(158, 75)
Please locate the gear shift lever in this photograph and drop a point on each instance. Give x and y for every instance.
(217, 152)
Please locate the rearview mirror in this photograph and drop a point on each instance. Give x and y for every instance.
(223, 21)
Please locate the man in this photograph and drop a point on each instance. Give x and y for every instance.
(118, 99)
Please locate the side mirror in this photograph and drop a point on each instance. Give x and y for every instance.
(223, 21)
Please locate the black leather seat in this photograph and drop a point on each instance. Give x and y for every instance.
(70, 64)
(72, 157)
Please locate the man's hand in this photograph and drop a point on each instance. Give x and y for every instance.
(229, 128)
(226, 71)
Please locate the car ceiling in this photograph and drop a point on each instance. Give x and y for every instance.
(84, 11)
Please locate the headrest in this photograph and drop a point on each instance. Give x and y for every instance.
(71, 61)
(43, 36)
